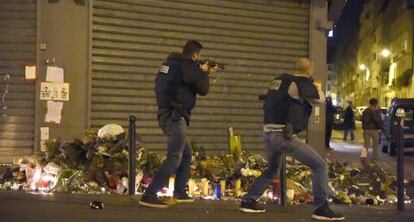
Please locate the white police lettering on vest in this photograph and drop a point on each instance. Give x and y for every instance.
(275, 84)
(164, 69)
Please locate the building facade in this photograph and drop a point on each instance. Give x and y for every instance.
(110, 51)
(376, 59)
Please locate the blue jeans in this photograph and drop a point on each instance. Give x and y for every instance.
(178, 160)
(351, 131)
(275, 146)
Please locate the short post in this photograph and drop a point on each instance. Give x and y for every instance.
(132, 134)
(283, 180)
(400, 159)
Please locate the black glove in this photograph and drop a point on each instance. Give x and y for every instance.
(175, 116)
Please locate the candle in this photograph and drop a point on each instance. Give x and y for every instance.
(222, 186)
(217, 191)
(205, 186)
(191, 186)
(170, 191)
(238, 188)
(290, 193)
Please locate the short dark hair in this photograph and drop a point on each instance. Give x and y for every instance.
(191, 47)
(373, 102)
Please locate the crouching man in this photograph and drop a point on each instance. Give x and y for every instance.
(287, 108)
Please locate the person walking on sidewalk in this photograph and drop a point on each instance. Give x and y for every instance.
(330, 110)
(349, 122)
(371, 125)
(177, 84)
(287, 108)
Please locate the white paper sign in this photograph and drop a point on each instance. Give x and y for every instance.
(54, 91)
(30, 72)
(54, 112)
(44, 133)
(54, 74)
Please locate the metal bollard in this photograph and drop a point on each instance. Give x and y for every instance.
(283, 180)
(400, 159)
(132, 134)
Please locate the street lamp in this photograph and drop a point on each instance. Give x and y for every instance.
(385, 53)
(362, 67)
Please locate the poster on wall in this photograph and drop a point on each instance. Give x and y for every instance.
(54, 112)
(54, 74)
(44, 136)
(54, 91)
(30, 72)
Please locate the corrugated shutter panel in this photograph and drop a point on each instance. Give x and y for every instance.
(255, 39)
(17, 48)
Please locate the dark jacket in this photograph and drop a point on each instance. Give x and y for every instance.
(177, 84)
(371, 119)
(330, 111)
(349, 118)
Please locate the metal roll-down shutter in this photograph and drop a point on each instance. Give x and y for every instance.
(17, 48)
(255, 39)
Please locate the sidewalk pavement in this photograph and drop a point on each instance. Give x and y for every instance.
(21, 207)
(350, 152)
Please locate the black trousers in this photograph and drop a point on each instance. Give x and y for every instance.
(328, 134)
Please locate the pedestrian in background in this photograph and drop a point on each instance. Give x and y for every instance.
(330, 110)
(349, 122)
(371, 124)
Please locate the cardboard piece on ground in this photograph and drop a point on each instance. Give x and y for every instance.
(54, 74)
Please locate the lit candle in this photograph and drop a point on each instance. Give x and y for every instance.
(170, 191)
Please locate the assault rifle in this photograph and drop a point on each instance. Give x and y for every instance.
(212, 64)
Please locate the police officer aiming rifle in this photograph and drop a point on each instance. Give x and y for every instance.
(287, 107)
(180, 78)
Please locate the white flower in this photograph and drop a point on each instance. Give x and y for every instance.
(109, 131)
(243, 172)
(250, 172)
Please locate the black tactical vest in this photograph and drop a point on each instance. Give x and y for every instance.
(280, 108)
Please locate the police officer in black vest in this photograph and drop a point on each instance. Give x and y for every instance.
(287, 108)
(177, 84)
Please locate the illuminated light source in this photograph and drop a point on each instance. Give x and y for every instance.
(362, 67)
(385, 53)
(171, 182)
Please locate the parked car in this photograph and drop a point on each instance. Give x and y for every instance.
(388, 137)
(339, 115)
